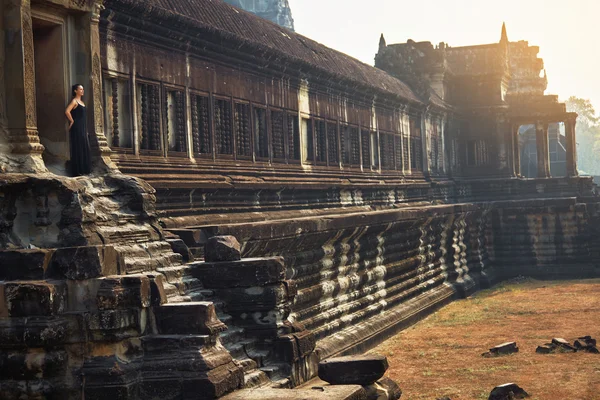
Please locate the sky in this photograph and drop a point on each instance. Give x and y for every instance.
(568, 33)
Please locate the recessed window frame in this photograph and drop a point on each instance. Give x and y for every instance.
(208, 98)
(109, 77)
(167, 89)
(140, 115)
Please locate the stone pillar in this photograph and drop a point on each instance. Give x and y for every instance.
(571, 145)
(424, 144)
(516, 150)
(19, 78)
(88, 72)
(543, 149)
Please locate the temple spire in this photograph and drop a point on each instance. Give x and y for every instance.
(504, 36)
(382, 42)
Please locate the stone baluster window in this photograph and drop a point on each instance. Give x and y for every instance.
(293, 137)
(345, 144)
(261, 137)
(397, 139)
(366, 148)
(278, 134)
(241, 125)
(201, 140)
(175, 130)
(223, 128)
(332, 143)
(386, 145)
(321, 141)
(416, 146)
(435, 150)
(117, 112)
(149, 116)
(477, 153)
(354, 146)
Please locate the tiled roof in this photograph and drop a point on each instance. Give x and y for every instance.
(223, 19)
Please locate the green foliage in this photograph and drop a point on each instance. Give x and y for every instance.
(588, 135)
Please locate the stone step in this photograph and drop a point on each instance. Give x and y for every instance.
(255, 379)
(247, 364)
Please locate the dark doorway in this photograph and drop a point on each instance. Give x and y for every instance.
(51, 93)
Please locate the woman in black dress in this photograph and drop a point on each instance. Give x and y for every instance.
(80, 145)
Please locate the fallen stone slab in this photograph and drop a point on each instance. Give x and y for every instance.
(383, 389)
(508, 391)
(560, 342)
(502, 349)
(222, 248)
(338, 392)
(586, 343)
(544, 349)
(353, 370)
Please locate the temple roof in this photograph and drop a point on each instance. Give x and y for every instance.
(218, 17)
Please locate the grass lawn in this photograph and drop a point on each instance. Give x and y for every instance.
(441, 355)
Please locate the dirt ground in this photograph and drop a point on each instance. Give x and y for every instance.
(441, 355)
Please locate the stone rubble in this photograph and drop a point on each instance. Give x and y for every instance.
(560, 345)
(222, 248)
(502, 349)
(508, 391)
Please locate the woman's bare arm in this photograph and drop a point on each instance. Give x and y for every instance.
(70, 107)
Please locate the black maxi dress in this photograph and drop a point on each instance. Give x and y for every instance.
(80, 144)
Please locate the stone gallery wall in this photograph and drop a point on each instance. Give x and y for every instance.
(359, 277)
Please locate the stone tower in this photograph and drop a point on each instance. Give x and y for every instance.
(278, 11)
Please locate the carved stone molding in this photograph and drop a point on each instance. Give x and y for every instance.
(28, 68)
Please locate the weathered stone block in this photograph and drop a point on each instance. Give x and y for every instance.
(286, 348)
(80, 263)
(158, 296)
(132, 291)
(188, 318)
(31, 364)
(508, 391)
(340, 392)
(179, 247)
(502, 349)
(383, 389)
(214, 383)
(353, 370)
(222, 248)
(26, 298)
(306, 342)
(107, 325)
(183, 353)
(257, 298)
(248, 272)
(24, 264)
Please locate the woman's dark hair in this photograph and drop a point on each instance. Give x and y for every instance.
(74, 88)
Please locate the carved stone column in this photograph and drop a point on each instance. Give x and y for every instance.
(516, 149)
(543, 149)
(19, 78)
(571, 144)
(89, 74)
(425, 146)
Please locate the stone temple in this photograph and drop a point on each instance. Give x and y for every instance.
(363, 197)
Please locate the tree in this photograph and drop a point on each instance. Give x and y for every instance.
(588, 135)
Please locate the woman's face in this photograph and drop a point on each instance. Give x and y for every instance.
(79, 91)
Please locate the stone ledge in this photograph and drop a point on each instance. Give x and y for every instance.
(338, 392)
